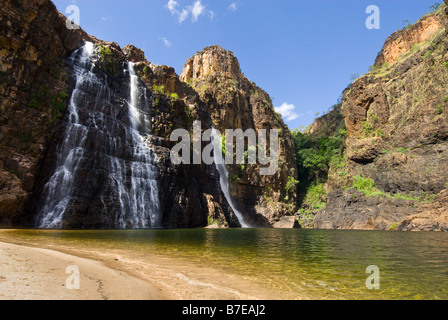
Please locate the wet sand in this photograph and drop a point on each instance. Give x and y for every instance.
(38, 272)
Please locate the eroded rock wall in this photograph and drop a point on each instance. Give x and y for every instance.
(34, 42)
(397, 123)
(35, 87)
(234, 102)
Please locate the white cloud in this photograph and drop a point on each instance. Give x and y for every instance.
(211, 15)
(197, 10)
(166, 42)
(233, 6)
(287, 112)
(171, 5)
(183, 15)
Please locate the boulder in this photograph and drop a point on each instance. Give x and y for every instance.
(287, 223)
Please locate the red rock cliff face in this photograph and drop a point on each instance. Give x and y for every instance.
(211, 62)
(35, 86)
(36, 83)
(34, 41)
(236, 103)
(397, 121)
(402, 41)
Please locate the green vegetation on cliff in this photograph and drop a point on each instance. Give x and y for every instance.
(379, 161)
(316, 153)
(108, 60)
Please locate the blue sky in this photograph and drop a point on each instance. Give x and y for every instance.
(302, 53)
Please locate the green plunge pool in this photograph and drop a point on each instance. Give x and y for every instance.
(318, 263)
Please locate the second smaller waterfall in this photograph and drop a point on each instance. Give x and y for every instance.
(224, 176)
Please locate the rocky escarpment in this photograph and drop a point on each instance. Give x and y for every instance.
(430, 217)
(403, 41)
(39, 79)
(396, 161)
(34, 42)
(234, 102)
(191, 194)
(36, 84)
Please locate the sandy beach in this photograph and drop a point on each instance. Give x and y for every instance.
(28, 272)
(40, 274)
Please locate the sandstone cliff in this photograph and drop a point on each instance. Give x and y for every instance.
(396, 158)
(234, 102)
(34, 89)
(37, 81)
(33, 44)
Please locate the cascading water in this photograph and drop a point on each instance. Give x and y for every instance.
(144, 186)
(105, 170)
(224, 176)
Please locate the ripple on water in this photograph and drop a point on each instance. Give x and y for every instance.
(320, 263)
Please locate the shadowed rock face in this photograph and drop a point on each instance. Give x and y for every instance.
(38, 81)
(105, 172)
(236, 103)
(353, 210)
(396, 119)
(34, 42)
(430, 217)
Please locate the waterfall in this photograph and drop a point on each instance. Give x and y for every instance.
(143, 183)
(224, 176)
(105, 173)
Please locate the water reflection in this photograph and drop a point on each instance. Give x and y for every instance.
(323, 263)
